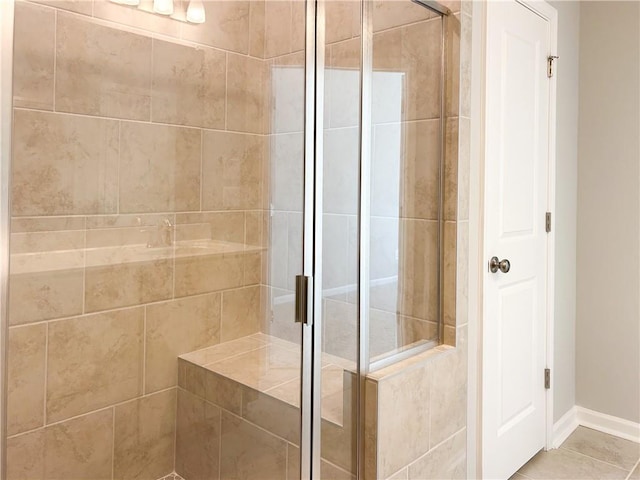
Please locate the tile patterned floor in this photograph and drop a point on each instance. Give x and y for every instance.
(585, 455)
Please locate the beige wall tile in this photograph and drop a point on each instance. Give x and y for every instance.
(448, 460)
(188, 85)
(452, 49)
(388, 14)
(403, 419)
(419, 268)
(80, 448)
(192, 377)
(46, 241)
(413, 330)
(25, 456)
(162, 166)
(464, 154)
(256, 29)
(287, 94)
(293, 462)
(42, 296)
(328, 471)
(462, 274)
(465, 62)
(25, 378)
(212, 273)
(63, 164)
(144, 437)
(416, 51)
(128, 284)
(277, 35)
(254, 228)
(240, 313)
(232, 171)
(449, 391)
(174, 328)
(225, 226)
(346, 54)
(101, 70)
(223, 392)
(252, 269)
(93, 361)
(137, 17)
(341, 18)
(450, 194)
(33, 58)
(78, 6)
(275, 416)
(331, 472)
(46, 224)
(227, 26)
(339, 445)
(246, 93)
(421, 164)
(197, 437)
(298, 16)
(449, 283)
(249, 452)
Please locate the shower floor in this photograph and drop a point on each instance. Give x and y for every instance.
(268, 365)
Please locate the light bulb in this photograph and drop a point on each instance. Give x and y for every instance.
(163, 7)
(131, 3)
(195, 12)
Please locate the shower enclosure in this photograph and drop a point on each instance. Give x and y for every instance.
(229, 222)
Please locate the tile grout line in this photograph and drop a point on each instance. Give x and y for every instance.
(55, 56)
(220, 440)
(97, 410)
(633, 469)
(113, 442)
(144, 350)
(46, 375)
(147, 122)
(175, 433)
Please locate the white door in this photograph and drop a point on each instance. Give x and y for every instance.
(516, 187)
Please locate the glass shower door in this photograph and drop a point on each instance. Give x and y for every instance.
(158, 211)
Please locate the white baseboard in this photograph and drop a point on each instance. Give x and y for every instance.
(580, 416)
(602, 422)
(564, 427)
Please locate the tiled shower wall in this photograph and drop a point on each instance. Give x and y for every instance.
(117, 129)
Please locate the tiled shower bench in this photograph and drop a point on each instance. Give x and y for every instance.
(239, 411)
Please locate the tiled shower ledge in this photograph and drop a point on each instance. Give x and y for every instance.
(271, 366)
(48, 261)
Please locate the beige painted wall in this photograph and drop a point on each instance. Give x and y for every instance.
(567, 70)
(608, 265)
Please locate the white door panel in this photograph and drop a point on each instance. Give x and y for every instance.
(516, 163)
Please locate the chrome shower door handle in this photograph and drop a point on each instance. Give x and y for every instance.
(496, 264)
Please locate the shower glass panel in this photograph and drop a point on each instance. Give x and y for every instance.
(156, 231)
(339, 217)
(405, 186)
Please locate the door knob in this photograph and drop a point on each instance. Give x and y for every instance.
(496, 264)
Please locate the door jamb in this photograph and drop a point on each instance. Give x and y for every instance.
(476, 257)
